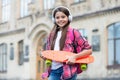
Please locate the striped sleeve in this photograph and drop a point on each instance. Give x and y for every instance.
(81, 41)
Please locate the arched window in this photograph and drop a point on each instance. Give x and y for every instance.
(114, 45)
(3, 57)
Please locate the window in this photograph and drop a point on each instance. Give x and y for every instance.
(114, 44)
(3, 57)
(77, 1)
(24, 7)
(21, 54)
(6, 10)
(96, 42)
(39, 66)
(102, 3)
(49, 4)
(11, 51)
(83, 33)
(26, 59)
(26, 50)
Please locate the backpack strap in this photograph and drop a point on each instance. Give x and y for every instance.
(74, 42)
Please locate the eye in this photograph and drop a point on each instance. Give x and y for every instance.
(63, 16)
(57, 17)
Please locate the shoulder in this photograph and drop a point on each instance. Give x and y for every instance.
(74, 30)
(70, 29)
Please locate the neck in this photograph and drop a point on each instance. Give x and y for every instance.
(61, 29)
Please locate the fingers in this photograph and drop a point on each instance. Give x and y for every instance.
(40, 53)
(70, 60)
(70, 63)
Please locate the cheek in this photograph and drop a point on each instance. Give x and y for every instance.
(66, 20)
(56, 21)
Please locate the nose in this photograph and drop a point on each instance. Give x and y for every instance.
(60, 19)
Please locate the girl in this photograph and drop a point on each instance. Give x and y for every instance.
(59, 39)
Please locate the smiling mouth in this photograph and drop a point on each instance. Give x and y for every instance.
(61, 23)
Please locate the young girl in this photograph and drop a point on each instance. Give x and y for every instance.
(60, 39)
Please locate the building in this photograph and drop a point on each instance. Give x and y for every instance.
(25, 24)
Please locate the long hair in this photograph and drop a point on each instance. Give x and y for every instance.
(56, 29)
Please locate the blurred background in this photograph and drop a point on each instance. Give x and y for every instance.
(25, 25)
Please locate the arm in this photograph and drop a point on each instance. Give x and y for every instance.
(83, 48)
(83, 53)
(72, 59)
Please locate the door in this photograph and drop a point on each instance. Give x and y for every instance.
(40, 66)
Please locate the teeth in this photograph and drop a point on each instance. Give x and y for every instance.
(61, 23)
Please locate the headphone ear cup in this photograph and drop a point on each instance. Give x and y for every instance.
(70, 18)
(53, 20)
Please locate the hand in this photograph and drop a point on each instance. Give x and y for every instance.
(40, 53)
(71, 60)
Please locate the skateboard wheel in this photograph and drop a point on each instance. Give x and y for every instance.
(48, 62)
(83, 67)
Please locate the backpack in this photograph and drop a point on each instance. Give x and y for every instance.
(73, 39)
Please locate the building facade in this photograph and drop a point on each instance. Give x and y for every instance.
(25, 25)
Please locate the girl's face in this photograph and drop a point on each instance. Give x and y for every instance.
(61, 19)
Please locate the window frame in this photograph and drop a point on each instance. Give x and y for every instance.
(114, 65)
(6, 10)
(24, 7)
(48, 4)
(3, 57)
(20, 52)
(11, 51)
